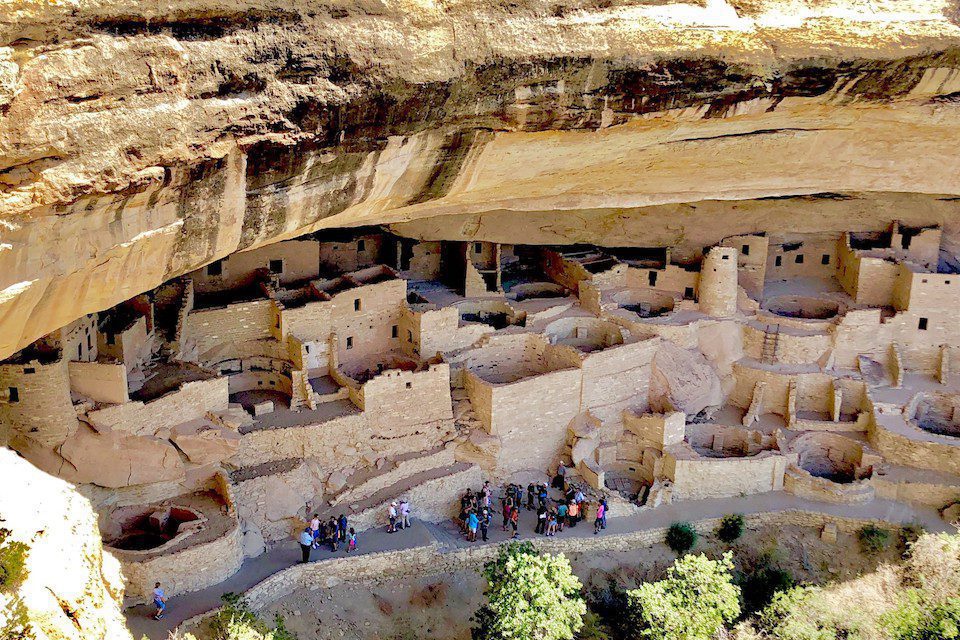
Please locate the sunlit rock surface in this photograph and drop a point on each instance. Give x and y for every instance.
(140, 141)
(72, 590)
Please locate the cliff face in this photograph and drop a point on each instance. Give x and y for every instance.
(72, 591)
(140, 141)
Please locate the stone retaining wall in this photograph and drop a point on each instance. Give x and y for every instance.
(432, 560)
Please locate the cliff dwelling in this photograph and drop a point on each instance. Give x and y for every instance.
(269, 266)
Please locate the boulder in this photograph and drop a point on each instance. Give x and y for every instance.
(335, 482)
(683, 380)
(283, 501)
(584, 449)
(118, 460)
(205, 443)
(253, 543)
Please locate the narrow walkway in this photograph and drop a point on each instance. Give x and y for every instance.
(448, 536)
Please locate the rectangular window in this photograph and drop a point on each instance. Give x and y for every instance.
(276, 266)
(799, 258)
(779, 261)
(745, 249)
(29, 370)
(361, 245)
(80, 352)
(688, 293)
(306, 348)
(724, 257)
(350, 343)
(215, 268)
(14, 394)
(89, 343)
(394, 331)
(409, 336)
(652, 278)
(409, 385)
(356, 304)
(111, 338)
(825, 258)
(922, 325)
(477, 247)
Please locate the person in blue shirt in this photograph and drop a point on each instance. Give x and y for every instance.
(159, 601)
(306, 544)
(472, 523)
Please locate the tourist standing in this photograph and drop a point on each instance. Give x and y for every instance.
(507, 505)
(561, 515)
(515, 522)
(159, 601)
(351, 540)
(334, 528)
(404, 514)
(573, 513)
(531, 493)
(342, 526)
(472, 523)
(307, 540)
(598, 522)
(606, 512)
(541, 520)
(392, 515)
(484, 523)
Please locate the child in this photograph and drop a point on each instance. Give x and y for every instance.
(160, 601)
(351, 540)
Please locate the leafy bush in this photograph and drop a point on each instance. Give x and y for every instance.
(529, 595)
(873, 539)
(916, 618)
(804, 613)
(236, 621)
(730, 527)
(681, 537)
(593, 628)
(760, 585)
(695, 601)
(14, 617)
(910, 533)
(934, 565)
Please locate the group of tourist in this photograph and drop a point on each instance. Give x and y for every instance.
(476, 508)
(334, 533)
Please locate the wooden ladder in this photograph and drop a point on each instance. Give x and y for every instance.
(771, 340)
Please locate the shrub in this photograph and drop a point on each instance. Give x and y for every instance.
(934, 564)
(529, 595)
(760, 585)
(695, 601)
(14, 617)
(681, 537)
(916, 618)
(593, 628)
(873, 539)
(730, 527)
(804, 613)
(237, 621)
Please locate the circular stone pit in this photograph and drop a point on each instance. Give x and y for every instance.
(831, 457)
(645, 303)
(937, 413)
(803, 307)
(585, 334)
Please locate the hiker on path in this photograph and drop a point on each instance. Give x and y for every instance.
(334, 528)
(351, 540)
(531, 494)
(404, 514)
(541, 520)
(484, 523)
(307, 540)
(606, 512)
(342, 526)
(601, 514)
(561, 515)
(392, 515)
(159, 601)
(515, 522)
(507, 505)
(559, 480)
(472, 523)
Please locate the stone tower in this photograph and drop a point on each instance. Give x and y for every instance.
(718, 282)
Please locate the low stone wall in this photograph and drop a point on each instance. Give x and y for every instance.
(928, 451)
(432, 560)
(192, 569)
(927, 493)
(695, 477)
(801, 483)
(309, 441)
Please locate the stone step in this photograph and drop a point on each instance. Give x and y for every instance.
(366, 483)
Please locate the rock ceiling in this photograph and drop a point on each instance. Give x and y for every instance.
(142, 140)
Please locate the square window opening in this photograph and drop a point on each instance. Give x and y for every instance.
(799, 258)
(361, 245)
(276, 266)
(394, 331)
(825, 258)
(350, 343)
(409, 385)
(688, 293)
(922, 325)
(215, 268)
(356, 304)
(745, 249)
(14, 394)
(477, 247)
(779, 261)
(652, 278)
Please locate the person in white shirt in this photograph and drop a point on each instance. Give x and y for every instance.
(404, 514)
(306, 544)
(392, 514)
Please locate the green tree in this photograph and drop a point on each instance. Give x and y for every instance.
(917, 618)
(237, 621)
(530, 596)
(694, 602)
(14, 617)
